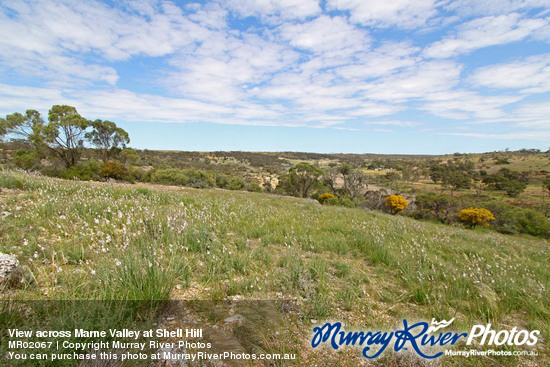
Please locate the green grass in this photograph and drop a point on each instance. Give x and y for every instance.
(118, 242)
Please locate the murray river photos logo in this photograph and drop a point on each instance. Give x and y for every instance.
(419, 337)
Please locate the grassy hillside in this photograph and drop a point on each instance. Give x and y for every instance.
(367, 269)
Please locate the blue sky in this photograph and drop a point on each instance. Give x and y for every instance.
(379, 76)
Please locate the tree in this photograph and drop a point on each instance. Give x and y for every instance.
(457, 180)
(357, 184)
(107, 138)
(24, 126)
(393, 178)
(440, 205)
(3, 128)
(64, 134)
(455, 174)
(301, 179)
(345, 170)
(512, 182)
(475, 216)
(396, 203)
(128, 156)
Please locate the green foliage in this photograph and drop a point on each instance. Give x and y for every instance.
(22, 126)
(64, 134)
(392, 178)
(513, 220)
(253, 187)
(455, 174)
(26, 159)
(345, 169)
(3, 128)
(235, 183)
(329, 199)
(187, 177)
(346, 202)
(89, 170)
(108, 139)
(170, 176)
(436, 206)
(201, 179)
(128, 156)
(512, 182)
(334, 201)
(301, 179)
(501, 160)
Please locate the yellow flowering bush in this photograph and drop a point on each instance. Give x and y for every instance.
(475, 216)
(396, 203)
(324, 197)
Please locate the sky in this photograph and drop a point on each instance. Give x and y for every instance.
(333, 76)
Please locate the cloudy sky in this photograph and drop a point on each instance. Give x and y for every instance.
(400, 76)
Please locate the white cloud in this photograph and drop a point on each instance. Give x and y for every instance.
(58, 38)
(227, 67)
(326, 35)
(531, 75)
(543, 136)
(19, 99)
(527, 121)
(488, 31)
(416, 82)
(275, 10)
(532, 115)
(494, 7)
(405, 14)
(291, 66)
(375, 109)
(212, 16)
(463, 104)
(385, 60)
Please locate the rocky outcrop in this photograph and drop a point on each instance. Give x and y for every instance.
(12, 275)
(8, 263)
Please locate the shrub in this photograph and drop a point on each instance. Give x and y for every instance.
(222, 180)
(254, 187)
(513, 220)
(85, 171)
(170, 176)
(26, 159)
(374, 199)
(336, 201)
(235, 183)
(114, 170)
(436, 206)
(512, 182)
(421, 214)
(346, 202)
(324, 197)
(200, 179)
(475, 216)
(396, 203)
(136, 173)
